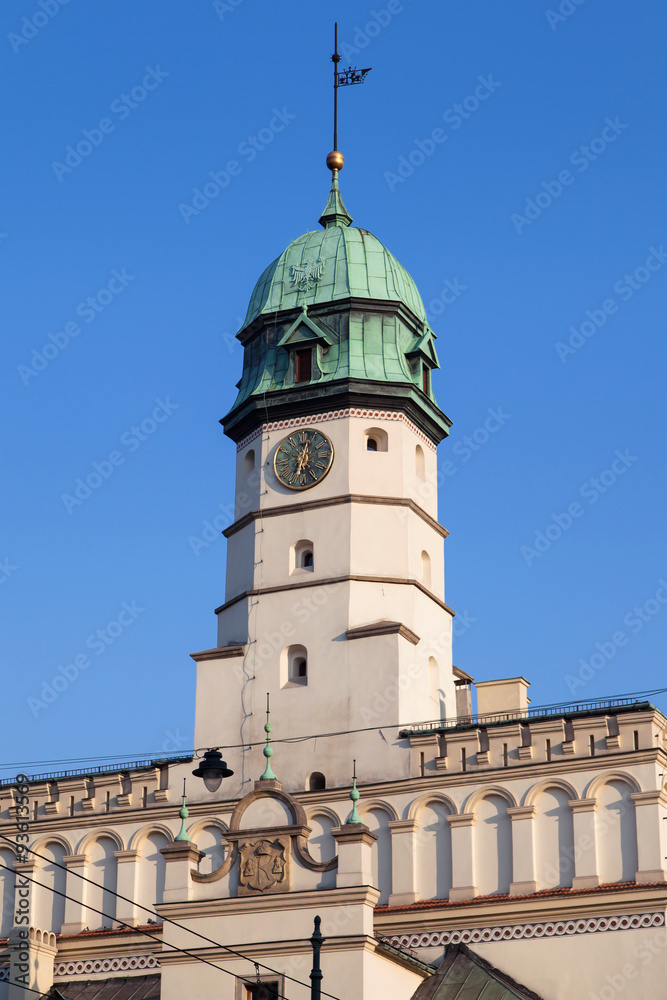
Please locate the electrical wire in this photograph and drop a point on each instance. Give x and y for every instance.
(139, 930)
(169, 920)
(160, 756)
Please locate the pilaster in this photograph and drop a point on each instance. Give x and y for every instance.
(585, 848)
(649, 813)
(181, 857)
(127, 912)
(24, 890)
(404, 846)
(355, 855)
(463, 857)
(75, 901)
(523, 851)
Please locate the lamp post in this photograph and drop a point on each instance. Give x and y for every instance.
(316, 974)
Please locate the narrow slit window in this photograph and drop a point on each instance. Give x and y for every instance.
(463, 758)
(505, 755)
(636, 739)
(548, 749)
(426, 379)
(303, 365)
(591, 744)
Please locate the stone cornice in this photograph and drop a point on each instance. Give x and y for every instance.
(328, 581)
(343, 498)
(256, 950)
(383, 628)
(221, 653)
(507, 910)
(279, 901)
(404, 786)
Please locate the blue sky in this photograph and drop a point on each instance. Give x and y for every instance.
(510, 154)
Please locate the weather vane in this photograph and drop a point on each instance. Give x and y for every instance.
(343, 78)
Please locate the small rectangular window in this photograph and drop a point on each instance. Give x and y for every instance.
(548, 749)
(425, 379)
(636, 739)
(422, 764)
(303, 365)
(505, 755)
(591, 742)
(463, 759)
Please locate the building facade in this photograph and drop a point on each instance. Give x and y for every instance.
(534, 837)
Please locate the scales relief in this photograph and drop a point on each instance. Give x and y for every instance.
(264, 865)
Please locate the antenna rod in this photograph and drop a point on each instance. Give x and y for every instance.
(335, 60)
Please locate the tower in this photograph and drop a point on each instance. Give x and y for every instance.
(334, 599)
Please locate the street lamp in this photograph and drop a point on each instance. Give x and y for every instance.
(212, 769)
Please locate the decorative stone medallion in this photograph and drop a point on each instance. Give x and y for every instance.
(264, 865)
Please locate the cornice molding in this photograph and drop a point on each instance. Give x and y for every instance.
(102, 967)
(513, 932)
(328, 581)
(383, 628)
(360, 498)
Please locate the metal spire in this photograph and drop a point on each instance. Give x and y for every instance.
(183, 813)
(268, 749)
(355, 795)
(335, 213)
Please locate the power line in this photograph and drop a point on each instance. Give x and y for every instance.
(159, 757)
(174, 923)
(139, 930)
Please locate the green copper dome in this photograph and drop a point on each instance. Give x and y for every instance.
(335, 321)
(337, 262)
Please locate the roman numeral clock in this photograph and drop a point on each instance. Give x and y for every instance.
(303, 459)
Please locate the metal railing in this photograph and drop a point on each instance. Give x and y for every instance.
(91, 772)
(539, 712)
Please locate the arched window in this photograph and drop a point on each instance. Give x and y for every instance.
(420, 462)
(316, 782)
(376, 439)
(248, 461)
(434, 688)
(294, 666)
(302, 556)
(426, 569)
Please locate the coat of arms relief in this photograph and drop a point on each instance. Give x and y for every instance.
(264, 865)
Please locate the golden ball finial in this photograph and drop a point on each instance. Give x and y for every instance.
(335, 160)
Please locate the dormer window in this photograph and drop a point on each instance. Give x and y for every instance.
(303, 365)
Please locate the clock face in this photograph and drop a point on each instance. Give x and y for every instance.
(303, 459)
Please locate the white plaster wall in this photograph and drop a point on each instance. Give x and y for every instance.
(354, 469)
(616, 965)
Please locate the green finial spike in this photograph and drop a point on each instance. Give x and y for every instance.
(355, 795)
(335, 213)
(268, 749)
(183, 813)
